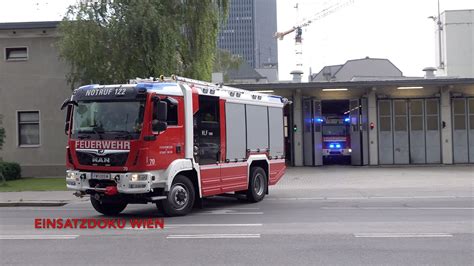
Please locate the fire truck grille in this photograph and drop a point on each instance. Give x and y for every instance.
(113, 159)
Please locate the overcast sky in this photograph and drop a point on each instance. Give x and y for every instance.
(395, 29)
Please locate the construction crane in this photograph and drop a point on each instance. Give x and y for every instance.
(298, 29)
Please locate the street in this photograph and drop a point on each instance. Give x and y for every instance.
(289, 227)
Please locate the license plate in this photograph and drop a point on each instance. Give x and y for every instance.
(100, 176)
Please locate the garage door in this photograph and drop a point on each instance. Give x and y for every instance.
(471, 129)
(433, 133)
(463, 130)
(385, 132)
(409, 131)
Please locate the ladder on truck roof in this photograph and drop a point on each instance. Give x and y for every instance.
(204, 86)
(198, 83)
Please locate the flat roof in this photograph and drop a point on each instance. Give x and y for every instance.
(29, 25)
(358, 84)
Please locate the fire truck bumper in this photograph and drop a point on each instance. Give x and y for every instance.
(128, 183)
(336, 152)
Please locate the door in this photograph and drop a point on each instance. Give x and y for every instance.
(355, 133)
(207, 144)
(385, 132)
(460, 133)
(307, 133)
(318, 134)
(471, 129)
(433, 134)
(400, 134)
(417, 132)
(364, 122)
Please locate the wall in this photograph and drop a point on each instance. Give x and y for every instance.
(457, 43)
(37, 84)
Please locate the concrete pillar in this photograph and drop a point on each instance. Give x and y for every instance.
(446, 132)
(298, 121)
(373, 136)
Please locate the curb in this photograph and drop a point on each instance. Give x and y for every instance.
(33, 204)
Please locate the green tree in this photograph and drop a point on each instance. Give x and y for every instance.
(113, 41)
(225, 61)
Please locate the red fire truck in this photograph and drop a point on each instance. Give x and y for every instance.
(336, 139)
(171, 141)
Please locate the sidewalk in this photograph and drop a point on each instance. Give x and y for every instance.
(38, 198)
(366, 182)
(325, 183)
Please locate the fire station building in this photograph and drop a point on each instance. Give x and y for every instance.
(393, 121)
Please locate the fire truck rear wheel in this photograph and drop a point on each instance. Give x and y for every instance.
(180, 199)
(108, 208)
(257, 184)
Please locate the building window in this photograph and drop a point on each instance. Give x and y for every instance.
(28, 128)
(16, 53)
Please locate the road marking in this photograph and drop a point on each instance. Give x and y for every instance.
(213, 236)
(235, 208)
(39, 237)
(397, 208)
(170, 226)
(212, 225)
(372, 197)
(402, 235)
(227, 211)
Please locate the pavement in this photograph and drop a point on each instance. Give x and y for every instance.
(327, 216)
(323, 183)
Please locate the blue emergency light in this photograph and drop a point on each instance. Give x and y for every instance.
(347, 119)
(334, 145)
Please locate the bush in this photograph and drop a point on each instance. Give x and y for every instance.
(10, 171)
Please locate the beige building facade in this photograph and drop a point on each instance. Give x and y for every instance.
(32, 88)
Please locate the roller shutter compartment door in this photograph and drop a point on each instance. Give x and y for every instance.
(417, 132)
(385, 137)
(460, 138)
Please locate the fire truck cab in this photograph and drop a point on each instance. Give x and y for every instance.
(336, 139)
(171, 141)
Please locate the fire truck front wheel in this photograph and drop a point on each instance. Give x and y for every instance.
(257, 184)
(180, 198)
(108, 208)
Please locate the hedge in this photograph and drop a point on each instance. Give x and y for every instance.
(10, 171)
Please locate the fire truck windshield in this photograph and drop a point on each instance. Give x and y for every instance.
(103, 119)
(334, 130)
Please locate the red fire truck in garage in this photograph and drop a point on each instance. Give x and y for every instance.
(171, 141)
(336, 139)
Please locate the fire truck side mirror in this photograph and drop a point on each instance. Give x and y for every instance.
(160, 115)
(160, 110)
(158, 126)
(67, 123)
